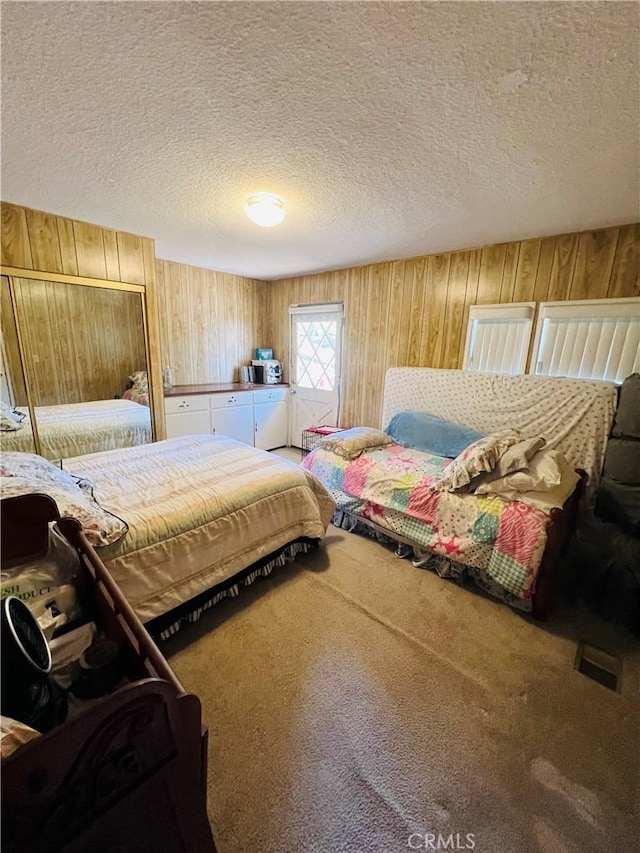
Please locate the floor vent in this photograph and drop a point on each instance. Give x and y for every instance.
(599, 665)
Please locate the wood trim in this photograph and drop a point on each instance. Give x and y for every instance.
(23, 366)
(153, 338)
(40, 275)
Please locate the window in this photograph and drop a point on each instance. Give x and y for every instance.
(591, 339)
(316, 332)
(498, 337)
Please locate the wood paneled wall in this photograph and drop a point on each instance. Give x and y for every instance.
(210, 322)
(35, 240)
(414, 312)
(81, 343)
(205, 324)
(32, 239)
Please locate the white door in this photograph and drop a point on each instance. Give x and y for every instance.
(316, 367)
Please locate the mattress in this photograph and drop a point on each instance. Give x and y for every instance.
(392, 486)
(79, 428)
(574, 415)
(200, 509)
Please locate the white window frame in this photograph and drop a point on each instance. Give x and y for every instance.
(520, 315)
(580, 310)
(336, 308)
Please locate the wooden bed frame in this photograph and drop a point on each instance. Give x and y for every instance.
(130, 771)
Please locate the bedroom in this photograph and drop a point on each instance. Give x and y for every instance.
(567, 230)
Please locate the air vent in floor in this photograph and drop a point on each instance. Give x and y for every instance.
(599, 665)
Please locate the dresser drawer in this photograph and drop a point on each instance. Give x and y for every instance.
(230, 399)
(190, 403)
(270, 395)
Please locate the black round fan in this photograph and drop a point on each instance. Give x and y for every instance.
(28, 693)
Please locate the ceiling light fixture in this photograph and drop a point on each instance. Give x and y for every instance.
(265, 209)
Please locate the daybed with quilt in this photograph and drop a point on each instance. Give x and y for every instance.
(75, 429)
(181, 522)
(502, 539)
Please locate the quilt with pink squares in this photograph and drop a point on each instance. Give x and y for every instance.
(393, 487)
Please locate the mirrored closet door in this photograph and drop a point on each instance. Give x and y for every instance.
(16, 432)
(76, 362)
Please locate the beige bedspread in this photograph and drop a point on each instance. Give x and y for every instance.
(77, 428)
(199, 510)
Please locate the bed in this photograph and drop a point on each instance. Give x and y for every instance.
(508, 547)
(78, 428)
(181, 523)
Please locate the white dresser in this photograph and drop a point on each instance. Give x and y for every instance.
(259, 417)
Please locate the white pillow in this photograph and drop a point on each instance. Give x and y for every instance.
(543, 473)
(517, 457)
(547, 500)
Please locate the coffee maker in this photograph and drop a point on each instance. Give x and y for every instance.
(268, 371)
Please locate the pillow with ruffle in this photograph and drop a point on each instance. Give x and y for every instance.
(26, 473)
(34, 467)
(138, 388)
(140, 381)
(11, 419)
(481, 456)
(350, 443)
(515, 458)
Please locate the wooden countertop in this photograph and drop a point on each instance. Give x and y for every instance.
(219, 388)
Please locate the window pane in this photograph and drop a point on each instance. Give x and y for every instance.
(315, 354)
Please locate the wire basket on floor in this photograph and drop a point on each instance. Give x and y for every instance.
(312, 435)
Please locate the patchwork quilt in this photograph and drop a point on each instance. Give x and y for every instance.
(392, 486)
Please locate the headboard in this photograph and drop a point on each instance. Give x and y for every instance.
(574, 415)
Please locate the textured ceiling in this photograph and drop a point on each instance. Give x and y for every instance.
(390, 129)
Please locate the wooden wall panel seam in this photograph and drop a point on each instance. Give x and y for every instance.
(492, 271)
(565, 265)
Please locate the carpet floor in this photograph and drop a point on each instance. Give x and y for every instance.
(358, 704)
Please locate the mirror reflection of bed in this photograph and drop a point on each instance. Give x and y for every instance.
(75, 363)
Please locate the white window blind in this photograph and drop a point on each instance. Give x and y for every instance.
(498, 337)
(591, 339)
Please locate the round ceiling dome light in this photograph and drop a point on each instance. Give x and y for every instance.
(265, 209)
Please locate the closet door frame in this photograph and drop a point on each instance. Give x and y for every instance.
(106, 284)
